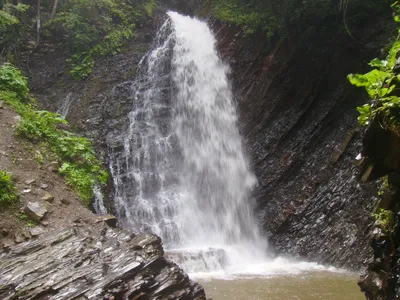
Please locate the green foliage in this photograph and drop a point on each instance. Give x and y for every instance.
(82, 69)
(80, 165)
(11, 79)
(24, 217)
(149, 7)
(10, 25)
(384, 219)
(382, 84)
(270, 17)
(111, 45)
(8, 194)
(93, 28)
(78, 177)
(251, 17)
(384, 187)
(277, 17)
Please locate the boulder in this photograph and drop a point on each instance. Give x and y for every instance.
(35, 210)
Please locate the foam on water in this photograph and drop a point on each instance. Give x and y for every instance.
(265, 269)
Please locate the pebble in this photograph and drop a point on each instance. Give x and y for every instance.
(48, 197)
(30, 181)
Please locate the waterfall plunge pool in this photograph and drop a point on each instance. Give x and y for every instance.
(309, 285)
(227, 273)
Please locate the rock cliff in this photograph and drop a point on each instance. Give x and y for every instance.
(298, 116)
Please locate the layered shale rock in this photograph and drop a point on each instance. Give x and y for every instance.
(93, 263)
(299, 119)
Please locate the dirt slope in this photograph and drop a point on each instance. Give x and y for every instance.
(34, 180)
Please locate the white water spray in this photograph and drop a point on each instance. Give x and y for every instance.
(215, 180)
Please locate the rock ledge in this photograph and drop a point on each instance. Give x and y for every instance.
(93, 263)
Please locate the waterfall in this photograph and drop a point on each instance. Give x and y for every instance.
(98, 203)
(65, 105)
(183, 173)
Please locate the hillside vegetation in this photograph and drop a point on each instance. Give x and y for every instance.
(277, 17)
(86, 29)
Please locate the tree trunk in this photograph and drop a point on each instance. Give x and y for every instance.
(53, 12)
(38, 23)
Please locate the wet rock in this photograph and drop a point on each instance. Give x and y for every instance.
(302, 140)
(44, 186)
(199, 261)
(35, 210)
(93, 263)
(48, 197)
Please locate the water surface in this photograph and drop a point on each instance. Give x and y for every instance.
(307, 286)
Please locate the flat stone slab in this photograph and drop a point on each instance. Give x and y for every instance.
(97, 262)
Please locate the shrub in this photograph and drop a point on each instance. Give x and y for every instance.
(11, 79)
(384, 219)
(11, 28)
(276, 17)
(382, 84)
(8, 194)
(92, 28)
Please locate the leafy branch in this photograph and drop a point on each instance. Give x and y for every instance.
(382, 85)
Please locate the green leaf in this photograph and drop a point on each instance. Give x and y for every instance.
(378, 63)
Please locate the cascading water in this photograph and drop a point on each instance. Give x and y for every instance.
(215, 180)
(180, 170)
(183, 173)
(65, 105)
